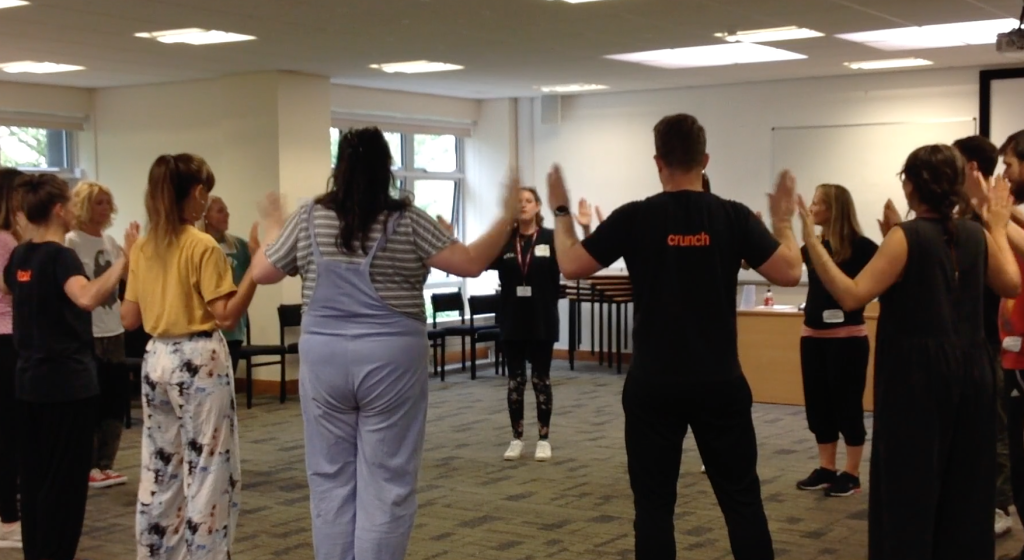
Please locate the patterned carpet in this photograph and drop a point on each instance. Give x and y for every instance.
(474, 505)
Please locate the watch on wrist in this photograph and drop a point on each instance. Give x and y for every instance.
(562, 210)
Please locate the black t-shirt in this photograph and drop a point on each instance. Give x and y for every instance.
(53, 336)
(683, 251)
(534, 317)
(822, 312)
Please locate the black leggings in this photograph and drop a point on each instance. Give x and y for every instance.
(8, 432)
(835, 372)
(538, 353)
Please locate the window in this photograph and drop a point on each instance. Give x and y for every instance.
(36, 149)
(429, 168)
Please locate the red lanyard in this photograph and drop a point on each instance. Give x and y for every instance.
(525, 265)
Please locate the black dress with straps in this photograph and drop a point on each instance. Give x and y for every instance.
(932, 493)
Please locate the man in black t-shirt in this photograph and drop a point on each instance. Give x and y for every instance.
(683, 249)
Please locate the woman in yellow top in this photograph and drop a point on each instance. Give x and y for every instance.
(180, 289)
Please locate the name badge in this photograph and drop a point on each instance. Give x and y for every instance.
(542, 250)
(1012, 344)
(833, 316)
(524, 291)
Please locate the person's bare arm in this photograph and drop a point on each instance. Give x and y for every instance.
(131, 315)
(89, 294)
(785, 267)
(228, 310)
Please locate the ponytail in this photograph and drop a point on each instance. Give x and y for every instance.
(171, 180)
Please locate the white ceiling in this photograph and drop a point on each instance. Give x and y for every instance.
(507, 46)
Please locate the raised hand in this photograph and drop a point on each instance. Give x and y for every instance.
(782, 201)
(271, 211)
(890, 217)
(977, 189)
(445, 224)
(806, 220)
(131, 235)
(557, 193)
(584, 214)
(599, 214)
(254, 238)
(1000, 204)
(511, 202)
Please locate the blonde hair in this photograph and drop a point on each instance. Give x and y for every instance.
(229, 239)
(172, 179)
(842, 227)
(82, 197)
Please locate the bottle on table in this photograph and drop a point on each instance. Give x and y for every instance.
(769, 299)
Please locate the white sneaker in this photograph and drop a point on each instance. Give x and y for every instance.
(10, 535)
(702, 469)
(543, 452)
(1004, 523)
(515, 449)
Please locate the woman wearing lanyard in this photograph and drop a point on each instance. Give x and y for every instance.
(529, 279)
(834, 347)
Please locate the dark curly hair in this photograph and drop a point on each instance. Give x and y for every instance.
(361, 187)
(937, 174)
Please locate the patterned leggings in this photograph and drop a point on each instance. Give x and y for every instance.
(188, 490)
(538, 353)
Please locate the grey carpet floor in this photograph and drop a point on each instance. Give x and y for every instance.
(475, 505)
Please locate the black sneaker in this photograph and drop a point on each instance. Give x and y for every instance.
(821, 478)
(845, 485)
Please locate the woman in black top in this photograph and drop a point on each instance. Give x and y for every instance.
(834, 347)
(529, 277)
(932, 459)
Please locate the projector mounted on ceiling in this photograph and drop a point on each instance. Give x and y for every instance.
(1011, 43)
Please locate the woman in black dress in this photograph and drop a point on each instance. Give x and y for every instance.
(932, 460)
(529, 279)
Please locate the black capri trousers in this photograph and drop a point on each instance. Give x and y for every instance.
(835, 372)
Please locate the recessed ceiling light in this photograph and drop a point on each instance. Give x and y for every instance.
(768, 35)
(571, 88)
(713, 55)
(32, 67)
(888, 63)
(195, 36)
(933, 36)
(12, 3)
(415, 67)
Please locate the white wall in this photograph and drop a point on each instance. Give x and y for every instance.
(605, 142)
(53, 100)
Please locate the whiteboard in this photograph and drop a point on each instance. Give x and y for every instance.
(864, 158)
(1006, 115)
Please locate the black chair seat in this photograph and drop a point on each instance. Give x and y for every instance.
(488, 335)
(261, 350)
(292, 348)
(436, 334)
(467, 330)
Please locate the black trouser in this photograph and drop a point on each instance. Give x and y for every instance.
(1013, 393)
(113, 378)
(233, 347)
(538, 353)
(835, 373)
(933, 459)
(8, 432)
(56, 451)
(658, 411)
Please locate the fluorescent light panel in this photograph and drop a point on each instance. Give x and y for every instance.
(32, 67)
(888, 63)
(768, 35)
(195, 36)
(933, 36)
(713, 55)
(12, 3)
(571, 88)
(415, 67)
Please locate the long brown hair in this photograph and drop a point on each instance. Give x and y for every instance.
(361, 187)
(937, 174)
(842, 228)
(171, 181)
(10, 203)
